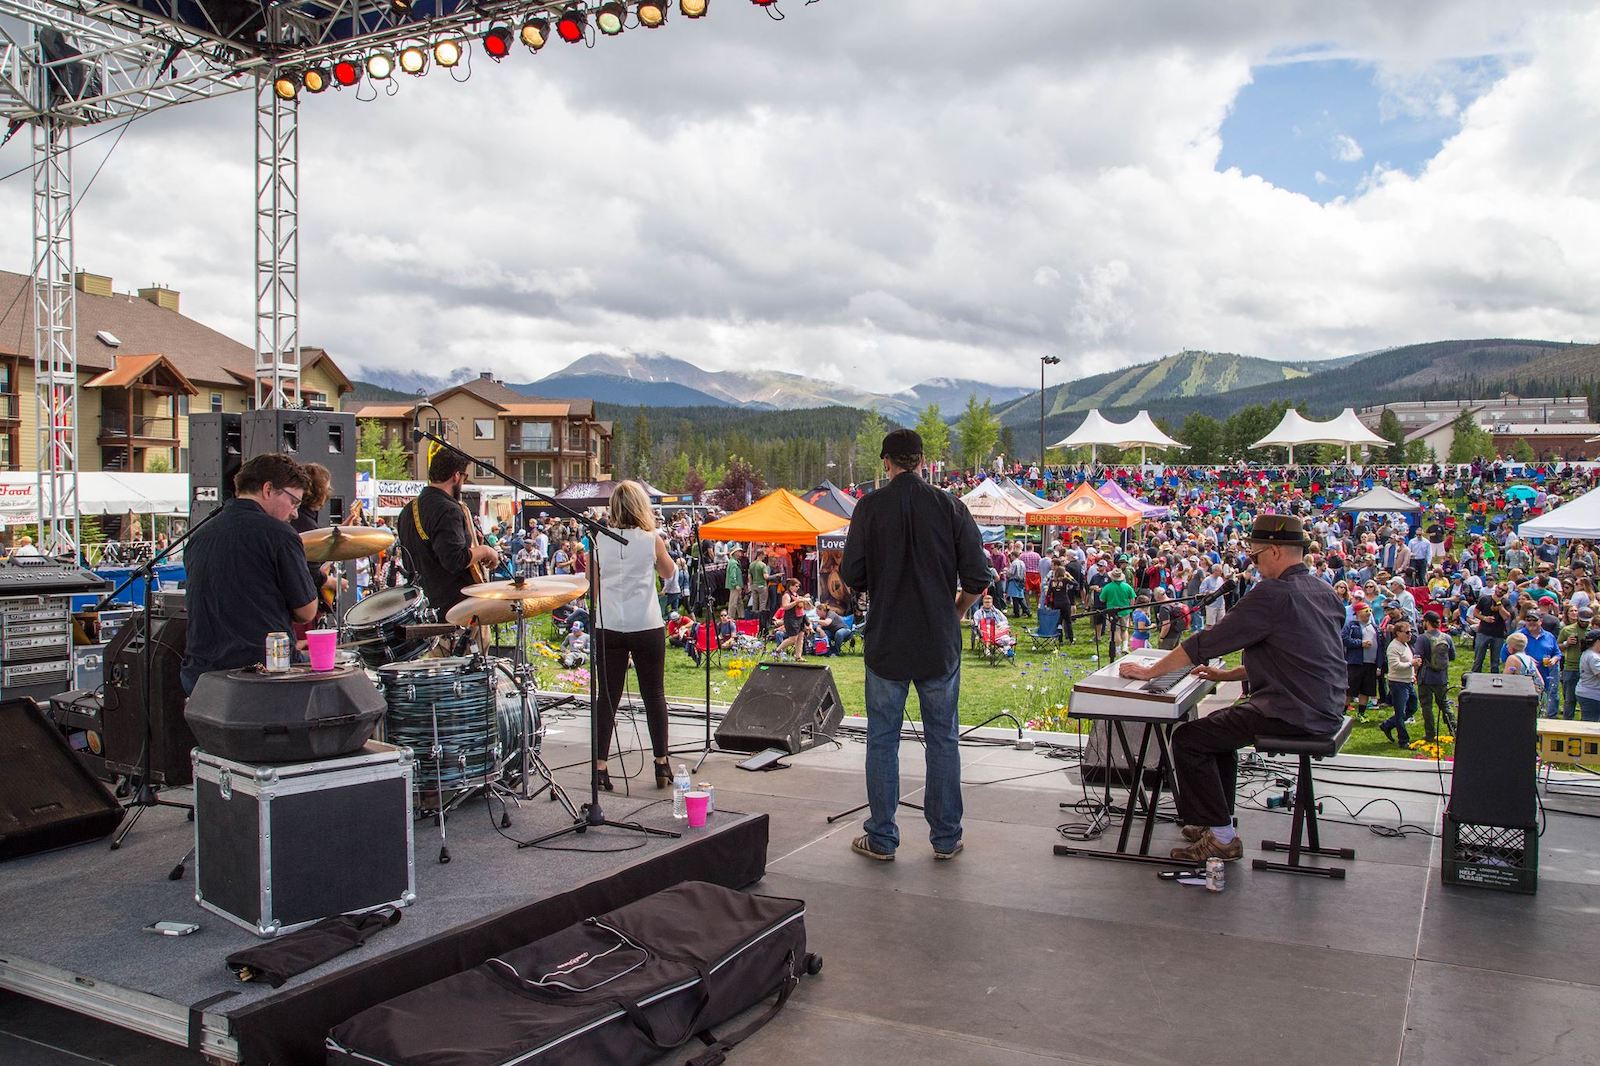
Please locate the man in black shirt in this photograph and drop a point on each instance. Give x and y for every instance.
(916, 552)
(1289, 628)
(246, 571)
(439, 546)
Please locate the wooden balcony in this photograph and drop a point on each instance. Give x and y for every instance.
(155, 431)
(10, 408)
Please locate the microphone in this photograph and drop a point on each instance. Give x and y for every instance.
(416, 416)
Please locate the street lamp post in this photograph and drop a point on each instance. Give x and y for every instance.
(1044, 361)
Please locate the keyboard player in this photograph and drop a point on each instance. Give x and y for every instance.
(1288, 628)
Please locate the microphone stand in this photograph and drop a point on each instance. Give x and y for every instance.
(145, 796)
(590, 815)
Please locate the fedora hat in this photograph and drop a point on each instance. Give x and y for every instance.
(1283, 529)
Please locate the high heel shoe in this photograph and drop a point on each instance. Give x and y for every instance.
(663, 775)
(605, 780)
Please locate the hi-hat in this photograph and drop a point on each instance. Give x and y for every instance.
(538, 594)
(338, 544)
(480, 612)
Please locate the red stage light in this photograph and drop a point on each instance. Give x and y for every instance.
(571, 25)
(346, 72)
(497, 43)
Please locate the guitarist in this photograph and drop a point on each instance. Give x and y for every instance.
(439, 538)
(324, 576)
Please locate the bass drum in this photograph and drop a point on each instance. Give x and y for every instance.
(374, 624)
(450, 703)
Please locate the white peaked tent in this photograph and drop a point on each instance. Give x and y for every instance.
(991, 504)
(1380, 498)
(1294, 428)
(1579, 519)
(1139, 431)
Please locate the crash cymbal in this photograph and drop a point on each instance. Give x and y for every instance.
(338, 544)
(482, 612)
(539, 595)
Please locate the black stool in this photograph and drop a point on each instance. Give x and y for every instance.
(1305, 804)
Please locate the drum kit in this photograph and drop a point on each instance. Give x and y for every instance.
(472, 720)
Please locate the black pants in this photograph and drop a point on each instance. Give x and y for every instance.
(1206, 755)
(648, 650)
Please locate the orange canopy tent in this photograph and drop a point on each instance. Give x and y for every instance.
(780, 517)
(1085, 507)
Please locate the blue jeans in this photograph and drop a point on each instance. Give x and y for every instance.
(886, 705)
(1491, 647)
(1403, 694)
(1551, 696)
(1589, 708)
(1569, 694)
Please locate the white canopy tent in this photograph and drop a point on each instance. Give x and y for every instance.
(1579, 519)
(1294, 428)
(99, 493)
(1380, 498)
(1139, 431)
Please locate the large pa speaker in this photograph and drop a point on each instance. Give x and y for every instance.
(793, 706)
(48, 799)
(123, 713)
(216, 448)
(326, 437)
(1497, 744)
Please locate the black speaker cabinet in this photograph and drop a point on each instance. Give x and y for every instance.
(123, 715)
(48, 799)
(326, 437)
(1497, 745)
(793, 706)
(216, 448)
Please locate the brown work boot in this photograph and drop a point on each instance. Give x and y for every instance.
(1209, 847)
(1192, 833)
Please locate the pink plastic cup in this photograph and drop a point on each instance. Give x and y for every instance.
(324, 646)
(695, 802)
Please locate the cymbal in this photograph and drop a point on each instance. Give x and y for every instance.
(539, 595)
(338, 544)
(486, 612)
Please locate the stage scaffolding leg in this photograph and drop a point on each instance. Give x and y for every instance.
(55, 343)
(277, 244)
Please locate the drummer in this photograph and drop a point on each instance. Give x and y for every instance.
(436, 537)
(247, 572)
(323, 575)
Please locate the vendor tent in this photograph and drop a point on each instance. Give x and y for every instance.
(1380, 499)
(99, 493)
(1294, 428)
(1123, 498)
(1020, 494)
(780, 517)
(1085, 507)
(1578, 519)
(830, 497)
(1525, 493)
(991, 504)
(586, 494)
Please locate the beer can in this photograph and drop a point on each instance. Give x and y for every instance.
(1216, 875)
(711, 795)
(279, 656)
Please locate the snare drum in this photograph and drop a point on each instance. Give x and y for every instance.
(457, 697)
(374, 624)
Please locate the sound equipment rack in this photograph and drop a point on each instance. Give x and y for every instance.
(36, 625)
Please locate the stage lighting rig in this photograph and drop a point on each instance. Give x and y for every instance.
(534, 33)
(380, 65)
(286, 85)
(609, 17)
(693, 9)
(573, 25)
(497, 43)
(414, 60)
(652, 13)
(401, 8)
(316, 79)
(346, 73)
(447, 52)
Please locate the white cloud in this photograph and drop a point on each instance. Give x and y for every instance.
(887, 193)
(1346, 149)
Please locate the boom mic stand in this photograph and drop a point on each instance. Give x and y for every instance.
(145, 796)
(590, 815)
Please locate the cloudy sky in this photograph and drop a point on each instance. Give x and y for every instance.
(880, 191)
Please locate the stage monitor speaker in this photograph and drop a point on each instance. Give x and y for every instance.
(216, 449)
(793, 706)
(326, 437)
(48, 799)
(123, 714)
(1497, 744)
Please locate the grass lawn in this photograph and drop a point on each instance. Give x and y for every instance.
(1033, 689)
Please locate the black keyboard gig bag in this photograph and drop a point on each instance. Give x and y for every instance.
(619, 988)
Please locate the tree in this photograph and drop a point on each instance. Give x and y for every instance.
(158, 464)
(1471, 441)
(1202, 436)
(1416, 452)
(675, 473)
(389, 458)
(1249, 424)
(741, 486)
(1522, 451)
(977, 430)
(869, 441)
(1390, 429)
(640, 446)
(935, 433)
(694, 486)
(1008, 443)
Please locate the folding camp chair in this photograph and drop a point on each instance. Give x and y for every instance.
(990, 646)
(1048, 632)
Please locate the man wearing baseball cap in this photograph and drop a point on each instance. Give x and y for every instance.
(1288, 626)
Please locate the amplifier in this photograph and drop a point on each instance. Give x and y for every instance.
(35, 645)
(124, 714)
(1493, 783)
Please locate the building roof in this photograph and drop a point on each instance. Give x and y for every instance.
(546, 409)
(312, 357)
(196, 351)
(1544, 429)
(131, 368)
(382, 410)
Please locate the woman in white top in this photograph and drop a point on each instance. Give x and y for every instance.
(631, 626)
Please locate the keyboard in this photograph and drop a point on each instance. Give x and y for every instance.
(1167, 698)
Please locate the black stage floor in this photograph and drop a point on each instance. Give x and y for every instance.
(1011, 955)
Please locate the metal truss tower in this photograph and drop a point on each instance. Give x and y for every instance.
(277, 245)
(55, 337)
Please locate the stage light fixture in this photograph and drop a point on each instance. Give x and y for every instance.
(401, 8)
(652, 13)
(497, 43)
(572, 24)
(447, 53)
(380, 65)
(315, 79)
(286, 85)
(346, 73)
(609, 17)
(534, 33)
(693, 9)
(414, 59)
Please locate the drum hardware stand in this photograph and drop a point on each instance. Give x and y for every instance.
(145, 796)
(591, 814)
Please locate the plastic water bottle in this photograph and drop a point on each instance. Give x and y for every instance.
(680, 786)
